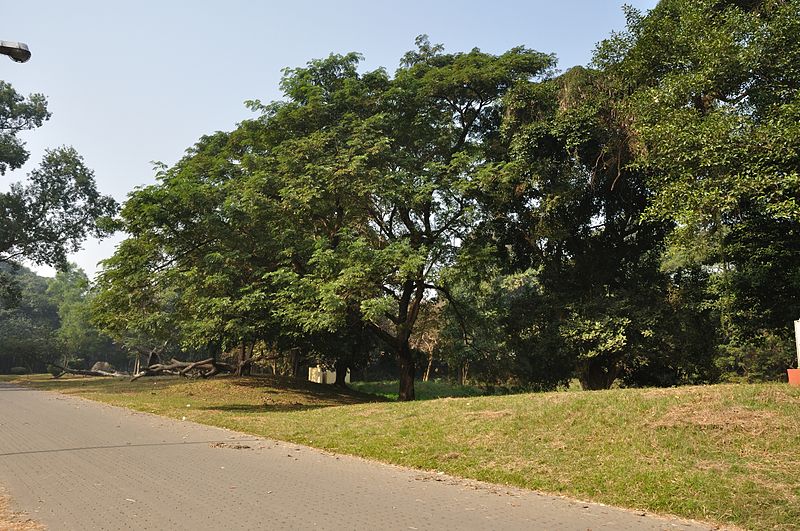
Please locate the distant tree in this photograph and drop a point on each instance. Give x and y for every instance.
(28, 323)
(45, 218)
(78, 337)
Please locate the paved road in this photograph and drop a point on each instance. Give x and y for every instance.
(78, 465)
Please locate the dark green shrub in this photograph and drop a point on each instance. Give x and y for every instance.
(762, 358)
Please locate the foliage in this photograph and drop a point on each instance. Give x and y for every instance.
(52, 213)
(634, 221)
(78, 337)
(48, 216)
(17, 115)
(711, 91)
(28, 323)
(329, 216)
(48, 322)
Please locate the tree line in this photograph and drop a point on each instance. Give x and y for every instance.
(635, 220)
(47, 322)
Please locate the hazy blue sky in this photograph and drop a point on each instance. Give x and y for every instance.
(129, 83)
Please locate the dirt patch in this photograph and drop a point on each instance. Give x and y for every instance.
(724, 419)
(15, 521)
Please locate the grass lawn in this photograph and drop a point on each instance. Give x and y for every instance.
(429, 390)
(725, 453)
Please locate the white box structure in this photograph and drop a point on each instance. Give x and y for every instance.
(319, 375)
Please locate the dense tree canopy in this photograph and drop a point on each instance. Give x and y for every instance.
(48, 321)
(712, 89)
(633, 221)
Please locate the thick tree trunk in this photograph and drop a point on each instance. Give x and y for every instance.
(405, 362)
(463, 372)
(341, 373)
(598, 373)
(294, 358)
(247, 371)
(243, 361)
(153, 358)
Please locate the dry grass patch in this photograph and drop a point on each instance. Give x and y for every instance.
(725, 419)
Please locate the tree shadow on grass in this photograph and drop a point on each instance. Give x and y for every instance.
(263, 408)
(318, 395)
(278, 393)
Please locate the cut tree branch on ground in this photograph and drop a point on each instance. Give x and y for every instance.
(83, 372)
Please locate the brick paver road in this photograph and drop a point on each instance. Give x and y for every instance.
(73, 464)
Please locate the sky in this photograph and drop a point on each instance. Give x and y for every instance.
(136, 82)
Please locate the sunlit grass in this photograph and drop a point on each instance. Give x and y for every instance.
(726, 453)
(429, 390)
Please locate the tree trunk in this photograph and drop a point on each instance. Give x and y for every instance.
(204, 368)
(427, 375)
(341, 373)
(153, 358)
(243, 361)
(248, 367)
(598, 373)
(463, 370)
(405, 362)
(294, 359)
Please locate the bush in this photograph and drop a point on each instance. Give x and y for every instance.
(762, 358)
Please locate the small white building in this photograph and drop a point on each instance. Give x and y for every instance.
(319, 375)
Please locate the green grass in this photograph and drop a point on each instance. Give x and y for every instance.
(429, 390)
(725, 453)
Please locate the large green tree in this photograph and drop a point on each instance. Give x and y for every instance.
(332, 213)
(435, 123)
(712, 93)
(563, 210)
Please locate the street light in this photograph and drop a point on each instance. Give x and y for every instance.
(17, 51)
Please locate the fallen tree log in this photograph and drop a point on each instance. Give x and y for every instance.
(83, 372)
(204, 369)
